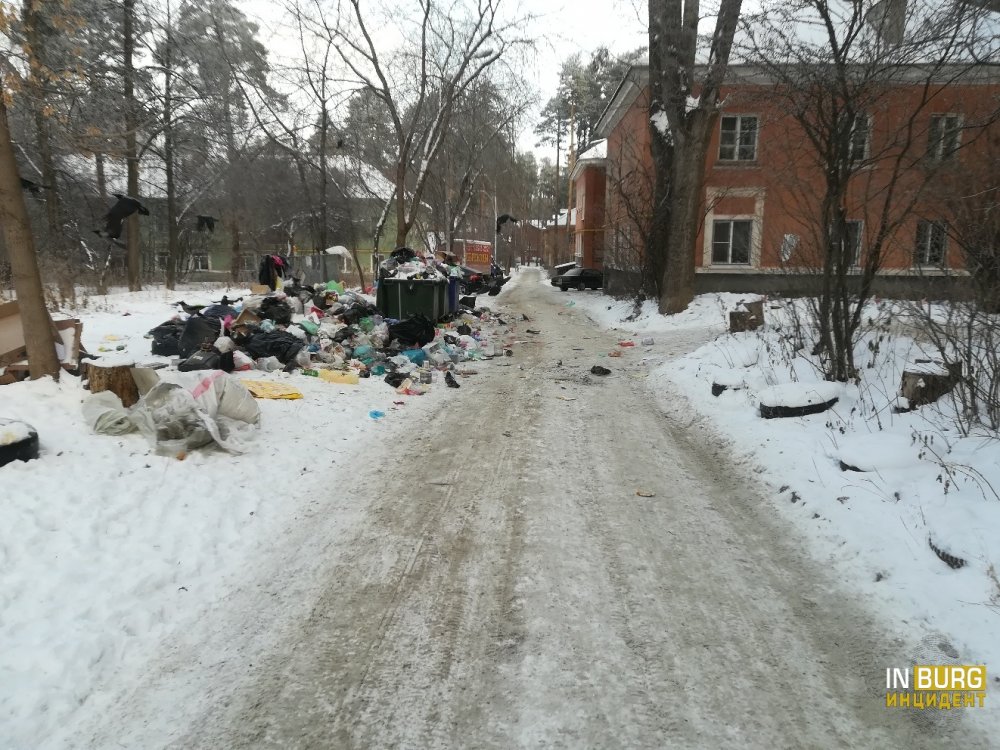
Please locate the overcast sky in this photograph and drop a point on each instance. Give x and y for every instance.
(563, 27)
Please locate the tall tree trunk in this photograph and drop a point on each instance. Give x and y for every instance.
(401, 229)
(324, 128)
(173, 243)
(679, 151)
(20, 245)
(132, 256)
(688, 173)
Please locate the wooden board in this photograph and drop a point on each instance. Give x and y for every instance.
(12, 346)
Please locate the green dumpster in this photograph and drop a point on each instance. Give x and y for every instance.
(401, 298)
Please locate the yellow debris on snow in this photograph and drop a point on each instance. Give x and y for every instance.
(271, 389)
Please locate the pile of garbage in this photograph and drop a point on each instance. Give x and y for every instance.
(324, 331)
(404, 263)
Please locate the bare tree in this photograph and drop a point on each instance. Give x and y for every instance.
(420, 82)
(830, 84)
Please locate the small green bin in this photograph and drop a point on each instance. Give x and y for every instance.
(401, 298)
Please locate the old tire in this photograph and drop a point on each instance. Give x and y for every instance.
(18, 441)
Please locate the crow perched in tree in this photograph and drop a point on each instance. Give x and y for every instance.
(503, 219)
(206, 222)
(340, 143)
(33, 187)
(115, 218)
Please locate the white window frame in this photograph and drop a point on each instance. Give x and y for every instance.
(731, 221)
(740, 130)
(712, 197)
(936, 146)
(866, 119)
(196, 257)
(923, 244)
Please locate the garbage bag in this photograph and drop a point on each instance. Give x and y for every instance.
(416, 330)
(199, 409)
(166, 338)
(402, 255)
(280, 344)
(201, 360)
(105, 414)
(219, 311)
(277, 310)
(395, 379)
(198, 330)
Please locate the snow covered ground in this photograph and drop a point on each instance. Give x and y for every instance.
(921, 482)
(107, 548)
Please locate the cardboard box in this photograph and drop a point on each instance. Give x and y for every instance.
(12, 346)
(13, 350)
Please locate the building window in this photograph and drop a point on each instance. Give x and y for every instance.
(731, 242)
(931, 239)
(942, 137)
(162, 259)
(860, 133)
(248, 263)
(199, 262)
(852, 241)
(738, 138)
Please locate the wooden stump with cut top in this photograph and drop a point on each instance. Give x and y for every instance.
(748, 316)
(115, 378)
(925, 381)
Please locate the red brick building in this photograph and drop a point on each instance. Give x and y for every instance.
(763, 183)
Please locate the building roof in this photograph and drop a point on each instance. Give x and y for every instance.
(637, 78)
(595, 156)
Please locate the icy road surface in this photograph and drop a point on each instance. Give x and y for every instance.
(506, 587)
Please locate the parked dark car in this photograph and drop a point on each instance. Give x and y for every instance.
(579, 278)
(559, 270)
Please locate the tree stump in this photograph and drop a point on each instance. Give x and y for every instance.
(115, 378)
(924, 382)
(748, 316)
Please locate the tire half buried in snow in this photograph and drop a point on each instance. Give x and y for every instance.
(18, 441)
(798, 399)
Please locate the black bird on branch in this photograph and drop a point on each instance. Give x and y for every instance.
(33, 187)
(206, 222)
(503, 219)
(115, 217)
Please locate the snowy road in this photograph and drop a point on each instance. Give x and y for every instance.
(505, 586)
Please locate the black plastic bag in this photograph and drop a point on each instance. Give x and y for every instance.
(167, 338)
(218, 311)
(202, 360)
(197, 331)
(277, 310)
(402, 255)
(418, 330)
(395, 379)
(280, 344)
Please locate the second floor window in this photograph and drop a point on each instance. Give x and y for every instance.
(860, 130)
(942, 137)
(731, 242)
(738, 138)
(931, 239)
